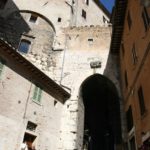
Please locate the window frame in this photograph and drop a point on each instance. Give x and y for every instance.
(33, 18)
(141, 101)
(31, 126)
(27, 42)
(59, 19)
(37, 94)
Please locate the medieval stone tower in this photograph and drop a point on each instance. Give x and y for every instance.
(69, 41)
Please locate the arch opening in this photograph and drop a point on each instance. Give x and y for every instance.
(102, 127)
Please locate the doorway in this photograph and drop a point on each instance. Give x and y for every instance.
(102, 127)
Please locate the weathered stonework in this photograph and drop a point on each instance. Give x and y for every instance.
(63, 51)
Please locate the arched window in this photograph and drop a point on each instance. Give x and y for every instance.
(24, 46)
(2, 3)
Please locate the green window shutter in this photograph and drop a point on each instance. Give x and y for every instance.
(35, 93)
(1, 67)
(39, 95)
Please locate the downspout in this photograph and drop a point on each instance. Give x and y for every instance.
(64, 55)
(27, 101)
(63, 63)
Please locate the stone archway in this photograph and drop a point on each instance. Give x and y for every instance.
(102, 127)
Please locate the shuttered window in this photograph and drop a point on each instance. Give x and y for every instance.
(129, 20)
(141, 100)
(37, 95)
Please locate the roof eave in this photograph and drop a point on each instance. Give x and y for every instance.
(26, 69)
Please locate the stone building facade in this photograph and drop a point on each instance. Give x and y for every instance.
(132, 45)
(68, 41)
(30, 110)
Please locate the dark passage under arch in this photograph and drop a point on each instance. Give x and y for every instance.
(102, 128)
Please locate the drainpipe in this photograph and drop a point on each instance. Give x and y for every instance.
(63, 63)
(64, 55)
(27, 101)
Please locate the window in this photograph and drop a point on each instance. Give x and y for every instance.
(59, 20)
(145, 18)
(24, 46)
(126, 78)
(132, 143)
(2, 3)
(1, 66)
(31, 126)
(129, 119)
(37, 94)
(33, 18)
(141, 101)
(90, 41)
(29, 139)
(87, 2)
(129, 20)
(84, 14)
(134, 55)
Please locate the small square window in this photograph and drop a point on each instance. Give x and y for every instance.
(31, 126)
(24, 46)
(90, 41)
(33, 18)
(59, 19)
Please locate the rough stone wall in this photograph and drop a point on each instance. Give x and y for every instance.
(79, 53)
(94, 16)
(17, 108)
(65, 55)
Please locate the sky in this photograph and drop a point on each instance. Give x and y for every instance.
(108, 3)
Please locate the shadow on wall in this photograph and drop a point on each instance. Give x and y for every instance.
(112, 72)
(12, 24)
